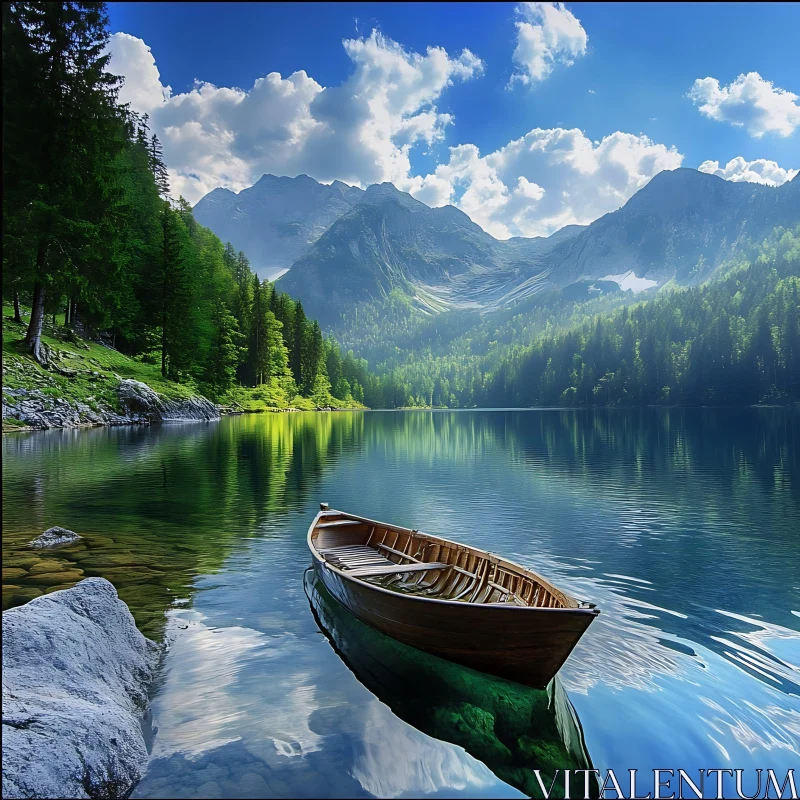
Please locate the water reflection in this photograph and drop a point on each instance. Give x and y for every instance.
(680, 524)
(511, 728)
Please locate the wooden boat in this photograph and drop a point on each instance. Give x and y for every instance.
(529, 729)
(457, 602)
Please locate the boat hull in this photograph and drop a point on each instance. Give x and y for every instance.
(525, 645)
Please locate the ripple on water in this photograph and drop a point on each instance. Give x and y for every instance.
(681, 525)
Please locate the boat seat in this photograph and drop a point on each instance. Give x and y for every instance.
(354, 556)
(362, 562)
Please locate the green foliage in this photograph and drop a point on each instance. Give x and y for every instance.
(89, 229)
(732, 341)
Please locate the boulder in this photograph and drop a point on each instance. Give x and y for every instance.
(53, 537)
(138, 399)
(75, 677)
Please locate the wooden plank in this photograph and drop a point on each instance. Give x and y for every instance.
(398, 553)
(364, 572)
(339, 523)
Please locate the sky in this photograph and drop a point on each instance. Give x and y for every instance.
(527, 116)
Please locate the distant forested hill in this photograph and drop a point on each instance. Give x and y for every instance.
(733, 341)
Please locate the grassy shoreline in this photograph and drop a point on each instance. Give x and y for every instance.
(89, 374)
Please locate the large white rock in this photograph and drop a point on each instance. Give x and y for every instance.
(138, 399)
(75, 677)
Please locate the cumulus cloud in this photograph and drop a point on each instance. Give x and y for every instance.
(546, 179)
(363, 131)
(360, 132)
(759, 171)
(749, 102)
(547, 34)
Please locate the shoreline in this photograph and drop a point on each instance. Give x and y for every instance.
(125, 422)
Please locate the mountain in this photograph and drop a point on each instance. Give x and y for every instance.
(681, 225)
(276, 220)
(438, 257)
(346, 246)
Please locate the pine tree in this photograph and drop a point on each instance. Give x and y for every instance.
(171, 295)
(298, 357)
(220, 369)
(315, 364)
(157, 166)
(59, 127)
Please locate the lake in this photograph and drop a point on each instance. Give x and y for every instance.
(682, 525)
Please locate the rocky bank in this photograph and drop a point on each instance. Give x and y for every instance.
(138, 404)
(75, 678)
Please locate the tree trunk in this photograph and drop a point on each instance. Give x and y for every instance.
(164, 346)
(17, 315)
(33, 338)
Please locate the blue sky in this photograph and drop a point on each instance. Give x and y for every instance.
(632, 67)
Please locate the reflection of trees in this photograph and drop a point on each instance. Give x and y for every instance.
(158, 506)
(174, 500)
(751, 445)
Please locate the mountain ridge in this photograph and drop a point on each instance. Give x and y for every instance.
(346, 245)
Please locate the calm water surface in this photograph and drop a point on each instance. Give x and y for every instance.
(683, 526)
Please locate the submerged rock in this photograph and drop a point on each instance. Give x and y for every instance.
(75, 677)
(54, 536)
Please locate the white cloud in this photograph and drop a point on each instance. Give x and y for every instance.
(759, 171)
(749, 102)
(547, 34)
(360, 132)
(547, 179)
(363, 131)
(144, 91)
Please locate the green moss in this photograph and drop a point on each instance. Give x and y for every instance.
(473, 728)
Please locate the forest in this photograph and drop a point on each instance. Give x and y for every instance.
(90, 233)
(730, 341)
(92, 236)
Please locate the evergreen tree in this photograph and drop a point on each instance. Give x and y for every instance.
(220, 369)
(157, 166)
(299, 355)
(57, 125)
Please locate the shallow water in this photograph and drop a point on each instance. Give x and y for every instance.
(682, 525)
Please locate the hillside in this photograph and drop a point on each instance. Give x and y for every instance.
(682, 225)
(89, 384)
(734, 340)
(437, 257)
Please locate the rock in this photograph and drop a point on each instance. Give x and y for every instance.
(54, 578)
(75, 677)
(21, 560)
(138, 398)
(60, 587)
(10, 573)
(32, 408)
(54, 536)
(48, 565)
